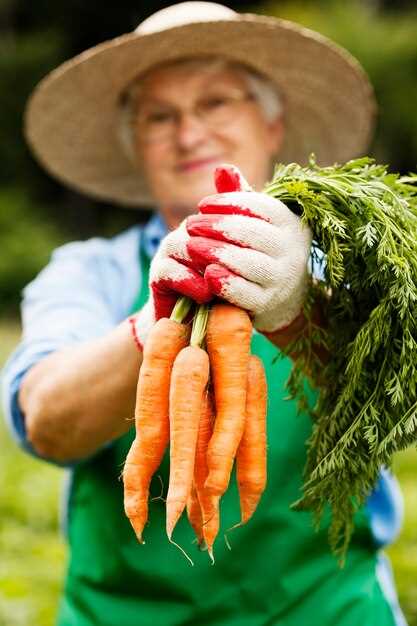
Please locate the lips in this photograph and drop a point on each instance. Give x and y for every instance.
(196, 164)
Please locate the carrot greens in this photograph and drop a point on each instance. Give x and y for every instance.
(364, 224)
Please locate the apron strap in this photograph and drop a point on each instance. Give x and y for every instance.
(144, 265)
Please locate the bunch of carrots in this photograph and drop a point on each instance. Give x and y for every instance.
(201, 392)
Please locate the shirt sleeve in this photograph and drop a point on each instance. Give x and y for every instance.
(83, 292)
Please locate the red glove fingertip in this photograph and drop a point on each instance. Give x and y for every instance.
(228, 178)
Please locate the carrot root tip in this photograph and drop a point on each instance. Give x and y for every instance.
(238, 525)
(158, 498)
(181, 549)
(211, 555)
(226, 541)
(203, 546)
(226, 538)
(200, 543)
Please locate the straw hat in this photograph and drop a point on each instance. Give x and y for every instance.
(72, 117)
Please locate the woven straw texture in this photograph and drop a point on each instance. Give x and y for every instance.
(71, 119)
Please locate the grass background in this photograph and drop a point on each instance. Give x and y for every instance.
(33, 551)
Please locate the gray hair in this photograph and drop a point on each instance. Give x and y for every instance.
(264, 91)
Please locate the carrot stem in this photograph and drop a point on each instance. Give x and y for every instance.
(198, 331)
(181, 309)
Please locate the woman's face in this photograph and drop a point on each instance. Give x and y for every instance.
(189, 122)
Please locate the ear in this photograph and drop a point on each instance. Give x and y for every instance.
(276, 135)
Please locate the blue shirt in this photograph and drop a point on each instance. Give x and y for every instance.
(83, 293)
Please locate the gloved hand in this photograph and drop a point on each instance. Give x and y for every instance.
(252, 249)
(171, 275)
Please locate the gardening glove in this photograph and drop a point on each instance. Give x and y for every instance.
(252, 249)
(171, 276)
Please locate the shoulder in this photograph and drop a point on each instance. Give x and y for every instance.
(105, 269)
(117, 248)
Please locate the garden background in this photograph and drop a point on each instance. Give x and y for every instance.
(37, 214)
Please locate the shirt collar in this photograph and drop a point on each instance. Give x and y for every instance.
(153, 232)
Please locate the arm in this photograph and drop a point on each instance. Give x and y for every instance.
(78, 398)
(283, 337)
(76, 362)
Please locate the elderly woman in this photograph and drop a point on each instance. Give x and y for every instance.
(146, 119)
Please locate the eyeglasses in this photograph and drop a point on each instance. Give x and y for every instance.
(157, 123)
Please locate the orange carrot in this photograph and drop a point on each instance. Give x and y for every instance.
(194, 514)
(188, 383)
(229, 332)
(164, 342)
(209, 503)
(251, 454)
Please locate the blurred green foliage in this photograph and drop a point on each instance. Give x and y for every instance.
(32, 550)
(26, 238)
(385, 43)
(403, 553)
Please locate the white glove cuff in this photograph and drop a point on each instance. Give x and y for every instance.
(142, 323)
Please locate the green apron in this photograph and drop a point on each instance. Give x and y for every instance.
(279, 572)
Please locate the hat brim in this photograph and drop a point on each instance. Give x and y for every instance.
(71, 120)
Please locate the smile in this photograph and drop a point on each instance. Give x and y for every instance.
(195, 164)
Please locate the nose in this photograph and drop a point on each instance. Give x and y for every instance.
(191, 131)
